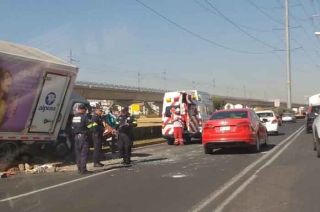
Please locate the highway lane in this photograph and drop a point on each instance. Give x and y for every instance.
(163, 178)
(291, 183)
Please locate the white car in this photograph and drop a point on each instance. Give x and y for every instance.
(288, 117)
(270, 120)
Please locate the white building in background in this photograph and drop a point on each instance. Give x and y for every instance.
(229, 106)
(238, 106)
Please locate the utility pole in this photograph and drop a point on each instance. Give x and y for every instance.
(71, 59)
(139, 80)
(213, 85)
(287, 33)
(164, 77)
(244, 91)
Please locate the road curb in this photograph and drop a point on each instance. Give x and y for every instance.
(148, 142)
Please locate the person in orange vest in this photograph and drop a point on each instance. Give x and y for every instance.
(178, 126)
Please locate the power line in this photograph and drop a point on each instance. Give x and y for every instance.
(194, 34)
(242, 25)
(264, 13)
(238, 27)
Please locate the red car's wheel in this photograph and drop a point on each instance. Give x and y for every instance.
(208, 150)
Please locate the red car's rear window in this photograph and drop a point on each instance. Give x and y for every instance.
(229, 115)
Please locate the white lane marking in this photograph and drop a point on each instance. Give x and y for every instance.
(211, 197)
(179, 176)
(55, 186)
(249, 180)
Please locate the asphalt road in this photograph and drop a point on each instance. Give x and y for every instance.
(168, 178)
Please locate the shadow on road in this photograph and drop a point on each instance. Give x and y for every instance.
(241, 151)
(140, 155)
(152, 160)
(279, 134)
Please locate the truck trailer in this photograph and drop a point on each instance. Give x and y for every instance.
(36, 99)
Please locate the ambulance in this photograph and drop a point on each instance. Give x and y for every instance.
(195, 106)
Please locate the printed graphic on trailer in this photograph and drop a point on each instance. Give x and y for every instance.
(18, 87)
(50, 99)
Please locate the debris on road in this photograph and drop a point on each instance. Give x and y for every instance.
(46, 168)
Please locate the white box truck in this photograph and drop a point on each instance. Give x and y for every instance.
(36, 97)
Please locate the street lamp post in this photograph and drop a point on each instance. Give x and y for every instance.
(289, 100)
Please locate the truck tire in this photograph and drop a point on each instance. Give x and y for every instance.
(61, 150)
(8, 151)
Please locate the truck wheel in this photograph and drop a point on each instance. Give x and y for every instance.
(61, 150)
(8, 151)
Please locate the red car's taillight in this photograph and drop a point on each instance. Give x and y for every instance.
(244, 126)
(208, 126)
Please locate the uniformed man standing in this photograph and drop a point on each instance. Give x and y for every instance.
(97, 129)
(125, 135)
(80, 131)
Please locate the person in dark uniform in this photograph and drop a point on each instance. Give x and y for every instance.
(80, 131)
(97, 129)
(125, 135)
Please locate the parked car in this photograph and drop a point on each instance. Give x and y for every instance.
(234, 128)
(289, 117)
(312, 113)
(316, 138)
(270, 120)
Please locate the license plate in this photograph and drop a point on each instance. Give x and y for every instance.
(225, 128)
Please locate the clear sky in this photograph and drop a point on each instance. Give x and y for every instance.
(202, 44)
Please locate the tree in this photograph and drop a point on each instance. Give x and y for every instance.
(218, 103)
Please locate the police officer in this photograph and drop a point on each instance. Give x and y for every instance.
(125, 135)
(80, 131)
(97, 129)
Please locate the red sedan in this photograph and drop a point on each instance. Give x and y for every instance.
(234, 128)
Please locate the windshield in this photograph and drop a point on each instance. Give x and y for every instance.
(287, 114)
(229, 115)
(315, 109)
(264, 115)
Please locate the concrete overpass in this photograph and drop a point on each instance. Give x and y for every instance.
(126, 95)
